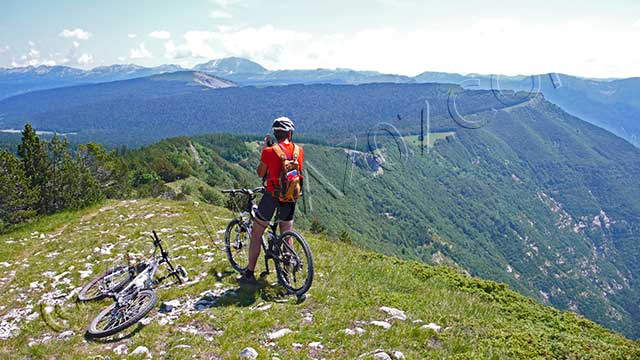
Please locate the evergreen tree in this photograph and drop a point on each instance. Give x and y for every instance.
(109, 170)
(18, 200)
(34, 161)
(70, 184)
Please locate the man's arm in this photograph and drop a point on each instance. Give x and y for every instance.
(262, 169)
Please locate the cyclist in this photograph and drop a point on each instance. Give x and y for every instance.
(270, 169)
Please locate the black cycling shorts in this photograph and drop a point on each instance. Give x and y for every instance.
(269, 204)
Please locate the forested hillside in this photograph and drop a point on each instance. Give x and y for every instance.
(142, 111)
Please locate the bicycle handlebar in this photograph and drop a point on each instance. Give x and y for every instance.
(259, 189)
(158, 243)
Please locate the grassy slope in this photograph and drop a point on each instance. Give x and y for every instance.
(480, 319)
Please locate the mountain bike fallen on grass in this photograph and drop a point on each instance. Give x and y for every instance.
(289, 251)
(131, 287)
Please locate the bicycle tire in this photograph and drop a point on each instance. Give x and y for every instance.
(299, 291)
(228, 246)
(94, 332)
(83, 294)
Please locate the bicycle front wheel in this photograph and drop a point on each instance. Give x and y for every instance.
(294, 264)
(237, 238)
(115, 319)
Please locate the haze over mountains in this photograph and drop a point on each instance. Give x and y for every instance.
(610, 104)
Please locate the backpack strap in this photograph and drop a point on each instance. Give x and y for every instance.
(279, 151)
(296, 151)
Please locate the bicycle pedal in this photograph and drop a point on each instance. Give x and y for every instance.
(264, 273)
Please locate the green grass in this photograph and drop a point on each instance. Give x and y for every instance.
(480, 319)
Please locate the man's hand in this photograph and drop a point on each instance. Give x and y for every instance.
(268, 141)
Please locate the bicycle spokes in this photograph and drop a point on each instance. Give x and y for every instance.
(120, 314)
(292, 261)
(237, 240)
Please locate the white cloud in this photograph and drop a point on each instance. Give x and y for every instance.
(636, 24)
(78, 33)
(197, 45)
(121, 58)
(160, 34)
(491, 45)
(76, 44)
(31, 58)
(259, 43)
(4, 49)
(488, 45)
(140, 52)
(173, 51)
(226, 3)
(220, 14)
(132, 36)
(85, 59)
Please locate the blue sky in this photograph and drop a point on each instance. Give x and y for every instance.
(588, 38)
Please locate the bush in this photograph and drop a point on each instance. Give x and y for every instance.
(317, 227)
(211, 196)
(186, 189)
(345, 237)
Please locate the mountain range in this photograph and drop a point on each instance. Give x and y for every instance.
(611, 104)
(608, 103)
(14, 81)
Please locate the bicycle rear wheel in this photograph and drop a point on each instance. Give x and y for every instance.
(94, 289)
(294, 265)
(236, 243)
(115, 319)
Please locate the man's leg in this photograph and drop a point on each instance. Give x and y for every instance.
(256, 243)
(266, 208)
(286, 226)
(287, 211)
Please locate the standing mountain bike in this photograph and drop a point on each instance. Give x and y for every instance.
(289, 251)
(131, 287)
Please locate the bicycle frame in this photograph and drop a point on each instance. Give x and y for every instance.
(144, 280)
(269, 246)
(276, 247)
(143, 275)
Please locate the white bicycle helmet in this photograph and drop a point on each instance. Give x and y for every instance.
(284, 124)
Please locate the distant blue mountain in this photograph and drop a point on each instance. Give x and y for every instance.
(231, 66)
(613, 105)
(14, 81)
(247, 72)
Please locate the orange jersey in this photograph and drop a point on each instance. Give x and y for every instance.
(274, 163)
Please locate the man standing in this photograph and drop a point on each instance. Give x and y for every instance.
(281, 166)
